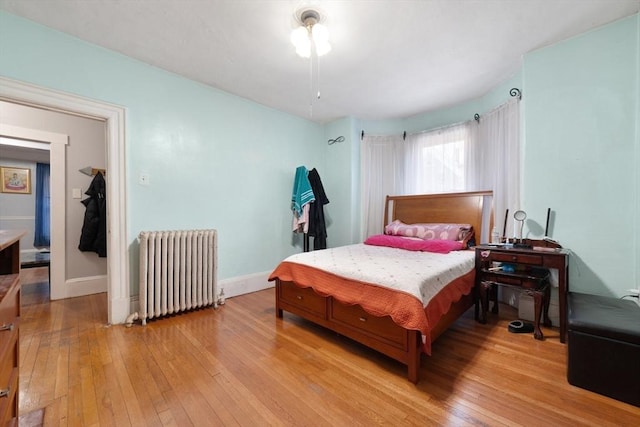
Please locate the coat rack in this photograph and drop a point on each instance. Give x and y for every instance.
(91, 171)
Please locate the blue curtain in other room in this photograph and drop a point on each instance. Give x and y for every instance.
(43, 207)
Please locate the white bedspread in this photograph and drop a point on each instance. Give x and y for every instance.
(421, 274)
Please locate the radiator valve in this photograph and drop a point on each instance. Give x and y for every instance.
(129, 322)
(221, 297)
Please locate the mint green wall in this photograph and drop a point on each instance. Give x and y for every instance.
(580, 154)
(337, 175)
(214, 160)
(580, 124)
(455, 114)
(418, 123)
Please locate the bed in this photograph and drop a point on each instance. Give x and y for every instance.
(370, 305)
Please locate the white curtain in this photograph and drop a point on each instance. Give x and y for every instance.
(381, 175)
(470, 156)
(435, 160)
(495, 154)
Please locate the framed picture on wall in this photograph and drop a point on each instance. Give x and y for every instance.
(15, 180)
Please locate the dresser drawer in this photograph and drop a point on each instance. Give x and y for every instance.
(8, 404)
(10, 304)
(9, 324)
(9, 365)
(7, 336)
(516, 258)
(9, 311)
(354, 317)
(303, 298)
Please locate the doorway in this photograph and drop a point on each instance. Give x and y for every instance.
(118, 288)
(84, 142)
(28, 208)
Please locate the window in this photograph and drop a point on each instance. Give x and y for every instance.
(470, 156)
(435, 161)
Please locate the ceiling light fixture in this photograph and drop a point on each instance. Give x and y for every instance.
(310, 34)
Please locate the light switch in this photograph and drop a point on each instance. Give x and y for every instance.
(76, 193)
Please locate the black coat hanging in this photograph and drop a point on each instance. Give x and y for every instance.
(317, 224)
(94, 227)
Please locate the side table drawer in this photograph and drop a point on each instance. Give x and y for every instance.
(516, 258)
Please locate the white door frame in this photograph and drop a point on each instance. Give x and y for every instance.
(57, 146)
(118, 286)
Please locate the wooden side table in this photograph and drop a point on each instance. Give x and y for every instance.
(526, 260)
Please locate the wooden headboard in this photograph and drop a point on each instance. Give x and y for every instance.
(462, 208)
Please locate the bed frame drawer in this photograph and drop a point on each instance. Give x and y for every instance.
(303, 298)
(354, 317)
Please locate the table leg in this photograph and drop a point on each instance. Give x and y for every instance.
(493, 292)
(476, 304)
(484, 301)
(547, 301)
(537, 307)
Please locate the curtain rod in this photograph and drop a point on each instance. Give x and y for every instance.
(404, 135)
(441, 127)
(514, 92)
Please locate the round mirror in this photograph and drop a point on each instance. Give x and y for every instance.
(520, 215)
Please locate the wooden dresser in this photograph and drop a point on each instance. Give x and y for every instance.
(9, 325)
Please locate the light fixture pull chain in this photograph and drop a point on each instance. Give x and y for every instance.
(318, 76)
(311, 85)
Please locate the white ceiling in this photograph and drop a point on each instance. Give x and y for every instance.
(390, 59)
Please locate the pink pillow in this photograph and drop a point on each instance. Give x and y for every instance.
(429, 231)
(412, 244)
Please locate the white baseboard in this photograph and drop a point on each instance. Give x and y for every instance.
(83, 286)
(233, 287)
(245, 284)
(33, 250)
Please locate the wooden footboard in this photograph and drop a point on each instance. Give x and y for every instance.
(378, 333)
(381, 333)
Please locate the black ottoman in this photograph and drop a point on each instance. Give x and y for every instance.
(604, 346)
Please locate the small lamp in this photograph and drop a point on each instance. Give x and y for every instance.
(520, 216)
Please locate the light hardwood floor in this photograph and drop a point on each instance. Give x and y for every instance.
(239, 365)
